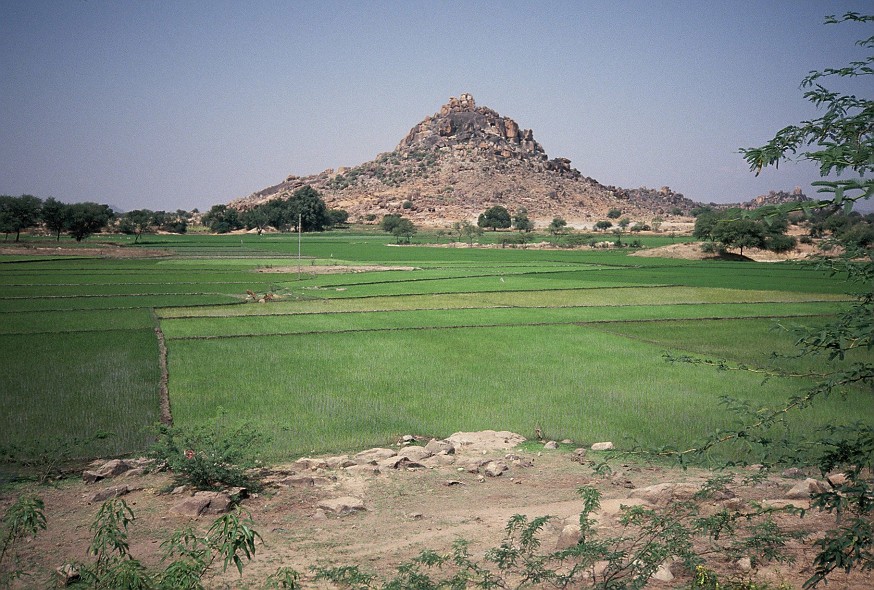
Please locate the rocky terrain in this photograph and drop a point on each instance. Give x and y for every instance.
(380, 507)
(463, 159)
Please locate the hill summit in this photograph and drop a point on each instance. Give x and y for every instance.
(463, 159)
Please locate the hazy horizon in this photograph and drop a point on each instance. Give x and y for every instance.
(167, 105)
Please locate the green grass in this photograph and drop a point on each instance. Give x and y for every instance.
(570, 341)
(63, 386)
(328, 392)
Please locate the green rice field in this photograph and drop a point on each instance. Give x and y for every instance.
(352, 354)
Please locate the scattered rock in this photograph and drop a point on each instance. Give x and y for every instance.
(67, 575)
(414, 453)
(802, 490)
(551, 445)
(309, 464)
(204, 503)
(110, 492)
(837, 479)
(339, 462)
(744, 564)
(495, 468)
(793, 473)
(342, 506)
(453, 482)
(437, 447)
(518, 461)
(108, 469)
(663, 573)
(569, 536)
(362, 469)
(373, 456)
(486, 440)
(567, 441)
(298, 481)
(602, 446)
(663, 493)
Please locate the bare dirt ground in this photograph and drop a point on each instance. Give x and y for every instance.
(406, 510)
(96, 250)
(333, 269)
(692, 251)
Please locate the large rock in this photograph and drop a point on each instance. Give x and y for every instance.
(485, 440)
(495, 468)
(415, 453)
(310, 464)
(602, 446)
(202, 503)
(569, 536)
(663, 493)
(802, 490)
(373, 456)
(110, 492)
(342, 506)
(100, 470)
(437, 447)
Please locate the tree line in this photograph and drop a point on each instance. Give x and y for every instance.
(303, 210)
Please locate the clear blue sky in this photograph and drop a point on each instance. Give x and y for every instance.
(182, 104)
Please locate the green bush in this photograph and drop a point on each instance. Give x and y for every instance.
(210, 456)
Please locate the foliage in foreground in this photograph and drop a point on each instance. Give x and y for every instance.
(210, 456)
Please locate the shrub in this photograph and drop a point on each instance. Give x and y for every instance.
(709, 247)
(210, 456)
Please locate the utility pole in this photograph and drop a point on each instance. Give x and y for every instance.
(299, 228)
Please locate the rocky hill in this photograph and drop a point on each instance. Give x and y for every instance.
(463, 159)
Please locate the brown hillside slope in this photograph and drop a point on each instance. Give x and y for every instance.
(463, 159)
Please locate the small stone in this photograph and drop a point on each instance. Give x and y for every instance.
(745, 564)
(602, 446)
(551, 445)
(342, 506)
(67, 575)
(372, 456)
(111, 492)
(663, 573)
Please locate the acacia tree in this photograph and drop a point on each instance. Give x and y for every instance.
(840, 140)
(55, 216)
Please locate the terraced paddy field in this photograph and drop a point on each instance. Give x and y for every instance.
(350, 354)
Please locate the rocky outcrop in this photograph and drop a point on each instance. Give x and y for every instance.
(454, 164)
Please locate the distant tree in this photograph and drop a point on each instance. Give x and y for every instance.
(306, 205)
(521, 221)
(656, 223)
(404, 230)
(705, 222)
(54, 216)
(740, 233)
(86, 219)
(19, 213)
(222, 219)
(337, 217)
(496, 217)
(614, 213)
(639, 227)
(624, 223)
(256, 218)
(465, 229)
(603, 225)
(137, 222)
(389, 222)
(557, 225)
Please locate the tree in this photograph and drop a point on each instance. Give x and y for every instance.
(19, 213)
(840, 140)
(521, 221)
(494, 217)
(465, 229)
(404, 230)
(54, 216)
(86, 219)
(222, 219)
(306, 205)
(337, 217)
(603, 225)
(614, 213)
(557, 225)
(656, 223)
(389, 222)
(255, 218)
(137, 222)
(739, 233)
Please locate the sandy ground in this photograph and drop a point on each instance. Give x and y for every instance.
(407, 510)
